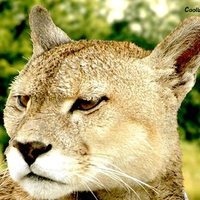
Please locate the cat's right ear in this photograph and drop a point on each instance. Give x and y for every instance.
(44, 33)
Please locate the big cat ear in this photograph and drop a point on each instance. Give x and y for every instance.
(44, 33)
(178, 56)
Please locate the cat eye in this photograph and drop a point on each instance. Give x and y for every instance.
(23, 100)
(85, 105)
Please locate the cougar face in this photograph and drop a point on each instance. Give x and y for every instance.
(99, 117)
(71, 126)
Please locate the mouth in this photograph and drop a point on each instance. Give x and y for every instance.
(38, 178)
(79, 194)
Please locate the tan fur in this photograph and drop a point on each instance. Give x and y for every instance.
(126, 146)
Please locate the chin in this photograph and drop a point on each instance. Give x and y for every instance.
(43, 188)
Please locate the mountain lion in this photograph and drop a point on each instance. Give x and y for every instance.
(98, 119)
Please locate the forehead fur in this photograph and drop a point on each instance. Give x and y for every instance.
(79, 61)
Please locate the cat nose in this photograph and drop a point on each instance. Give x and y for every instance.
(31, 150)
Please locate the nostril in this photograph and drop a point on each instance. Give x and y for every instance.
(35, 152)
(31, 150)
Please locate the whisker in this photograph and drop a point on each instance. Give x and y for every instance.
(75, 189)
(115, 172)
(141, 183)
(92, 180)
(107, 173)
(76, 195)
(85, 184)
(119, 180)
(130, 177)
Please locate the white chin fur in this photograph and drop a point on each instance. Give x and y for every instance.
(45, 189)
(53, 166)
(18, 168)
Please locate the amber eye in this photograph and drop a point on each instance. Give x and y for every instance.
(85, 105)
(23, 100)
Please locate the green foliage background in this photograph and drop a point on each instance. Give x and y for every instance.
(88, 19)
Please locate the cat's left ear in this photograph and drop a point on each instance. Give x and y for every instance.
(44, 33)
(177, 58)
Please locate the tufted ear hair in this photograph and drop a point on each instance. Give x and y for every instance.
(177, 57)
(44, 33)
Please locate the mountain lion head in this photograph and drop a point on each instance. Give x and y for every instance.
(98, 119)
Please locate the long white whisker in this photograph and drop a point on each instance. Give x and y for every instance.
(115, 173)
(111, 175)
(142, 184)
(119, 171)
(118, 179)
(85, 184)
(75, 189)
(92, 180)
(125, 175)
